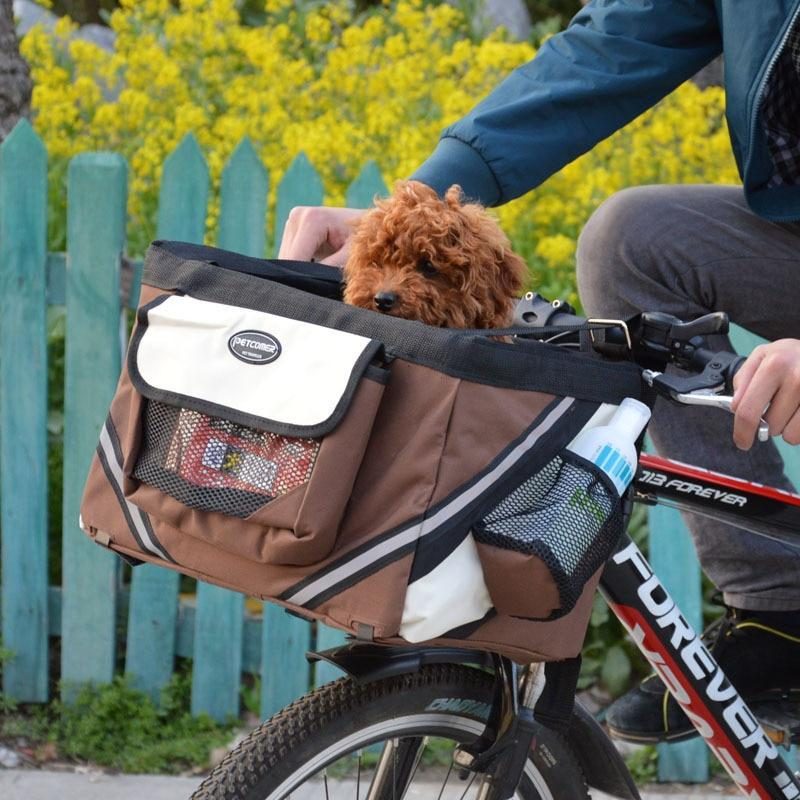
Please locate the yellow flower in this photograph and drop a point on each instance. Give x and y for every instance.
(556, 250)
(343, 89)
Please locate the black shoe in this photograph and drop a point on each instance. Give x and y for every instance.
(759, 652)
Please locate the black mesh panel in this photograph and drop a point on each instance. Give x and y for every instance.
(215, 465)
(566, 516)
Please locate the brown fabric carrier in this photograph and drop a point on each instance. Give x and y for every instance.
(266, 438)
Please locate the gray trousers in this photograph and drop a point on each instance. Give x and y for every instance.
(689, 250)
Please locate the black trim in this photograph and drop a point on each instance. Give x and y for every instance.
(378, 374)
(370, 661)
(208, 499)
(145, 518)
(466, 630)
(120, 499)
(359, 371)
(460, 523)
(544, 368)
(433, 549)
(307, 276)
(603, 542)
(356, 577)
(129, 560)
(116, 445)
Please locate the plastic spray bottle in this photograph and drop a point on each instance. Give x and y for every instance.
(612, 447)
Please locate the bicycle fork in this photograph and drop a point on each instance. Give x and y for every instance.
(693, 677)
(500, 754)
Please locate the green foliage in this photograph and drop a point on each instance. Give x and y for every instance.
(5, 655)
(6, 704)
(31, 723)
(643, 764)
(545, 28)
(117, 726)
(560, 10)
(83, 11)
(250, 692)
(610, 659)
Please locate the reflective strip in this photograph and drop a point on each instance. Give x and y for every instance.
(140, 524)
(428, 526)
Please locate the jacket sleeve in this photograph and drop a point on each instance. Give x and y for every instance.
(616, 59)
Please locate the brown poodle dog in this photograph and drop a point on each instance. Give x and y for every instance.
(442, 262)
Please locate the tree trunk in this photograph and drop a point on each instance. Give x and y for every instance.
(15, 79)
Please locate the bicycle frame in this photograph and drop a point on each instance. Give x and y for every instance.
(672, 647)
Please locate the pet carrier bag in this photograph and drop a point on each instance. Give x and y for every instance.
(394, 480)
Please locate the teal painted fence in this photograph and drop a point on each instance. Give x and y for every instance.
(98, 598)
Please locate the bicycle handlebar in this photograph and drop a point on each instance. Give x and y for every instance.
(652, 340)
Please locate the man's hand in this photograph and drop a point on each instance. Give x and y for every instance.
(769, 376)
(315, 233)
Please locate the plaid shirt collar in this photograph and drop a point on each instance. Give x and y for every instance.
(780, 112)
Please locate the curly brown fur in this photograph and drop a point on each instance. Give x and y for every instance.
(440, 261)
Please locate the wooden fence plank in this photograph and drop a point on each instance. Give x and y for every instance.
(150, 653)
(97, 187)
(674, 560)
(744, 341)
(284, 670)
(217, 669)
(243, 195)
(23, 412)
(361, 192)
(183, 197)
(300, 186)
(220, 613)
(150, 646)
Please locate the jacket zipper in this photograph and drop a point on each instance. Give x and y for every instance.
(759, 95)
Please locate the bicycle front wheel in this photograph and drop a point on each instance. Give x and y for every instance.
(385, 740)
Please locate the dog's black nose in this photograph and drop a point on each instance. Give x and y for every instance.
(385, 300)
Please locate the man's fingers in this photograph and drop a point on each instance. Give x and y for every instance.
(338, 258)
(318, 233)
(745, 374)
(752, 401)
(770, 377)
(791, 433)
(783, 405)
(302, 235)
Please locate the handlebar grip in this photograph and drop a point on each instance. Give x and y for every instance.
(731, 371)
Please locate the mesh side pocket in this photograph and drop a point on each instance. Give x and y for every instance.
(566, 516)
(212, 464)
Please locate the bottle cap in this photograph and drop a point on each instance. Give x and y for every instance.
(631, 417)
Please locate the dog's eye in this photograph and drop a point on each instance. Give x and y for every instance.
(427, 268)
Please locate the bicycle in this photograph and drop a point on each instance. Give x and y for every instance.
(509, 730)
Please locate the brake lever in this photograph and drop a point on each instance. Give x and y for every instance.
(709, 397)
(722, 401)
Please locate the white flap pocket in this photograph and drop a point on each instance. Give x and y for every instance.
(257, 369)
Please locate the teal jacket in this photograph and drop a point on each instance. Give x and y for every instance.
(616, 59)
